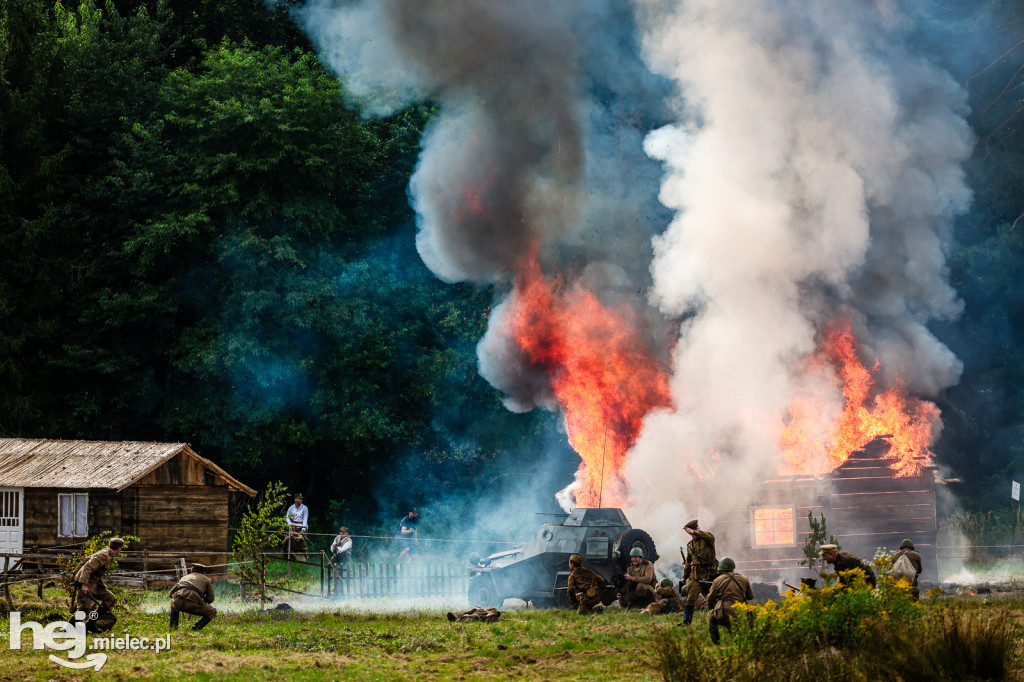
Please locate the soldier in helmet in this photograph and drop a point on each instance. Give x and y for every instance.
(585, 586)
(727, 589)
(907, 548)
(193, 594)
(700, 566)
(666, 599)
(844, 561)
(92, 595)
(638, 591)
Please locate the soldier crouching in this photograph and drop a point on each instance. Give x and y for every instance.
(638, 591)
(92, 595)
(585, 586)
(666, 599)
(193, 594)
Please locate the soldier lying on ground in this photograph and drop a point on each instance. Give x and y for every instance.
(91, 595)
(193, 594)
(476, 614)
(666, 599)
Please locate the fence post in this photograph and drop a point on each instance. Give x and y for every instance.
(7, 584)
(145, 569)
(321, 574)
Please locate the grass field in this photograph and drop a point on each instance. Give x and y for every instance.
(339, 643)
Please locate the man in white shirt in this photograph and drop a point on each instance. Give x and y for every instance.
(341, 548)
(297, 517)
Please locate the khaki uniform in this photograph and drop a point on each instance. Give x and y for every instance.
(699, 554)
(727, 589)
(915, 559)
(639, 592)
(585, 588)
(848, 562)
(90, 574)
(666, 600)
(476, 614)
(299, 545)
(194, 594)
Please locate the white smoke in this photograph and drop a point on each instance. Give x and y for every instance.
(815, 169)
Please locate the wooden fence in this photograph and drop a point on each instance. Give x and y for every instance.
(408, 580)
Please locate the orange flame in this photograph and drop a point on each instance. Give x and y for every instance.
(906, 423)
(601, 370)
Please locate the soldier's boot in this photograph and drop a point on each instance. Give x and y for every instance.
(715, 636)
(688, 614)
(203, 622)
(174, 620)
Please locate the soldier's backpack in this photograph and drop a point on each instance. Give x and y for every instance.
(903, 568)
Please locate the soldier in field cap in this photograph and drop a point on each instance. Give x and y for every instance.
(193, 594)
(844, 561)
(92, 596)
(700, 566)
(585, 586)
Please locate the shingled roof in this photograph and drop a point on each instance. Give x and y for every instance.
(85, 464)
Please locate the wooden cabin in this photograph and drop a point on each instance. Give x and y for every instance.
(57, 493)
(866, 507)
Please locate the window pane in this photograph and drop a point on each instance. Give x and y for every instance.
(784, 538)
(763, 538)
(762, 513)
(66, 512)
(81, 515)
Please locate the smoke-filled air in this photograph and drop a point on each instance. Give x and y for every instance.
(717, 229)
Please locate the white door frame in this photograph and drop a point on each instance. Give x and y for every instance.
(12, 521)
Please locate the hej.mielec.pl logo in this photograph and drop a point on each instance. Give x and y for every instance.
(70, 637)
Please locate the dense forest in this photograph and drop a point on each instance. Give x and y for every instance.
(204, 241)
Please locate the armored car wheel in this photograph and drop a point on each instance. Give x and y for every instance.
(482, 593)
(636, 538)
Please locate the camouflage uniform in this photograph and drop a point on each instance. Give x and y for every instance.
(848, 562)
(700, 553)
(90, 574)
(666, 600)
(193, 594)
(915, 559)
(585, 589)
(727, 589)
(639, 592)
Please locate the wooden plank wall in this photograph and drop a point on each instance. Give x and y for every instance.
(192, 519)
(41, 515)
(872, 509)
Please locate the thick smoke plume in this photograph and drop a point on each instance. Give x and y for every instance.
(815, 168)
(534, 162)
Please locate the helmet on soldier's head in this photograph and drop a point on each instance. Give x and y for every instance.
(727, 564)
(576, 559)
(907, 544)
(636, 551)
(666, 582)
(474, 558)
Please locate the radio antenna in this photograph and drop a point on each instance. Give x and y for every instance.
(604, 448)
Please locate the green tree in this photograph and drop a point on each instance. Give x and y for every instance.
(260, 531)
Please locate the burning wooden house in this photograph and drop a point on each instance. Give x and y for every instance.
(866, 507)
(57, 493)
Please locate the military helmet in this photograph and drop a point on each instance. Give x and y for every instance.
(576, 559)
(636, 551)
(907, 544)
(666, 582)
(115, 543)
(727, 564)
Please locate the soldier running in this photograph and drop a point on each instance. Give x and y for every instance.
(638, 591)
(700, 566)
(727, 589)
(585, 586)
(907, 547)
(666, 599)
(193, 594)
(91, 594)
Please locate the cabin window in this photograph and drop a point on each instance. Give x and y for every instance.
(773, 526)
(73, 515)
